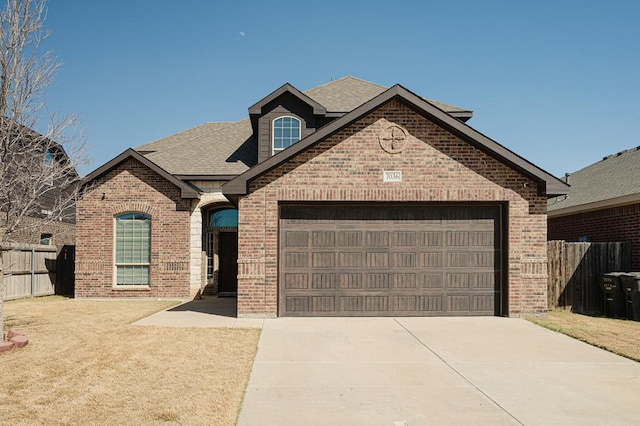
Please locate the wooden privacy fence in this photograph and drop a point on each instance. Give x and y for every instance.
(31, 270)
(575, 269)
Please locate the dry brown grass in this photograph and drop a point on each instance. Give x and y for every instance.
(617, 336)
(85, 364)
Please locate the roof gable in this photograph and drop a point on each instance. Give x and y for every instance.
(257, 108)
(186, 191)
(548, 184)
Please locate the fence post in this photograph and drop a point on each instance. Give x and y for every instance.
(33, 271)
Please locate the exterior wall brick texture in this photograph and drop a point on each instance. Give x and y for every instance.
(63, 233)
(613, 224)
(437, 166)
(127, 188)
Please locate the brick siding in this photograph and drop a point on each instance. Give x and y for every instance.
(127, 188)
(437, 166)
(63, 233)
(612, 224)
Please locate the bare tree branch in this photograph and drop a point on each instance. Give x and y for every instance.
(37, 167)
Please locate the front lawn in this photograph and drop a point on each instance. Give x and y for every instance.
(86, 364)
(618, 336)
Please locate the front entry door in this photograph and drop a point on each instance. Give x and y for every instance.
(228, 257)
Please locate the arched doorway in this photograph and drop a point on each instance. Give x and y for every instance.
(221, 247)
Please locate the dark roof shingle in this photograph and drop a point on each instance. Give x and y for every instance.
(228, 148)
(613, 177)
(209, 149)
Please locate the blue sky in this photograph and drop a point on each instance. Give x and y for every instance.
(554, 81)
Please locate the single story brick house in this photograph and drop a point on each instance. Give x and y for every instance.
(603, 204)
(348, 199)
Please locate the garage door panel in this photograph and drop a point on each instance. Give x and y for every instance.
(458, 303)
(351, 281)
(433, 259)
(297, 238)
(351, 303)
(483, 281)
(458, 260)
(377, 260)
(377, 239)
(405, 303)
(296, 260)
(350, 239)
(483, 260)
(457, 238)
(293, 281)
(405, 282)
(425, 261)
(323, 259)
(459, 280)
(431, 281)
(299, 304)
(483, 239)
(323, 238)
(376, 304)
(483, 303)
(325, 304)
(377, 281)
(405, 260)
(350, 259)
(323, 281)
(404, 239)
(430, 304)
(430, 239)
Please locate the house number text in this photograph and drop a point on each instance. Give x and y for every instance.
(392, 176)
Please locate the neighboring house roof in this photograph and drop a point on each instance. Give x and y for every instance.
(612, 181)
(549, 184)
(186, 190)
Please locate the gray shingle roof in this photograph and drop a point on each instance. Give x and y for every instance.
(613, 177)
(209, 149)
(347, 93)
(228, 148)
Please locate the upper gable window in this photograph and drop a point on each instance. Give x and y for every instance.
(286, 132)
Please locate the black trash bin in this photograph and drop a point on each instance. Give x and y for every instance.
(614, 298)
(631, 287)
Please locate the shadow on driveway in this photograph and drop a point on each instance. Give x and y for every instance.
(222, 306)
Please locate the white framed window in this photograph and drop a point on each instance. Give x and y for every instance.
(132, 249)
(46, 239)
(285, 131)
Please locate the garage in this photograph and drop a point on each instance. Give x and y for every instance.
(390, 259)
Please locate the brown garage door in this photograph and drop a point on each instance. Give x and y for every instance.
(394, 260)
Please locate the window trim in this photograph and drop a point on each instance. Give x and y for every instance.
(46, 239)
(115, 285)
(275, 150)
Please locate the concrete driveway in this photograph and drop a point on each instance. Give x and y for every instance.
(434, 371)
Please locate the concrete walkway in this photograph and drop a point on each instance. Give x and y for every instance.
(434, 371)
(208, 312)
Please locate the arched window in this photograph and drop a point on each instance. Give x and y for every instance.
(286, 132)
(226, 218)
(132, 249)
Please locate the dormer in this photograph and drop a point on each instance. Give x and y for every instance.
(283, 118)
(288, 115)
